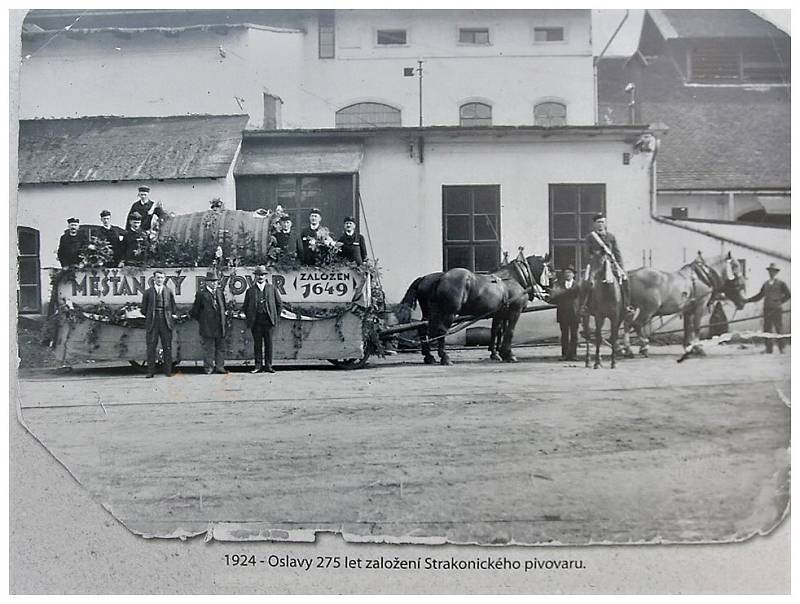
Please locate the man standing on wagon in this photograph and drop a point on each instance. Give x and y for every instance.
(71, 243)
(262, 310)
(309, 234)
(147, 209)
(354, 249)
(113, 235)
(209, 312)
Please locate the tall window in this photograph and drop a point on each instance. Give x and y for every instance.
(550, 114)
(332, 194)
(475, 114)
(473, 35)
(367, 115)
(471, 227)
(391, 37)
(572, 210)
(28, 279)
(327, 34)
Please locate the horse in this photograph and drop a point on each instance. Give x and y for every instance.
(460, 292)
(689, 291)
(604, 302)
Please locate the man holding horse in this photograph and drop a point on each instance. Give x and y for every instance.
(775, 293)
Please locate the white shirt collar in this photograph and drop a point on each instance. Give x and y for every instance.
(261, 286)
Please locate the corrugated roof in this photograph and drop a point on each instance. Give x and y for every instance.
(713, 23)
(732, 137)
(97, 149)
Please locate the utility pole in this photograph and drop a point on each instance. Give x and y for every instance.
(419, 72)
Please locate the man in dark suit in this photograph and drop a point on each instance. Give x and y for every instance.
(775, 293)
(599, 242)
(354, 249)
(286, 240)
(262, 310)
(113, 235)
(308, 238)
(147, 209)
(209, 311)
(134, 242)
(158, 307)
(565, 297)
(71, 244)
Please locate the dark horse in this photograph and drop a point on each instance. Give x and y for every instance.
(689, 291)
(605, 302)
(459, 292)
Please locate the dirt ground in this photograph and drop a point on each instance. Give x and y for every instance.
(542, 451)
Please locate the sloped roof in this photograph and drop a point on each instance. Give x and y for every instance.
(714, 23)
(733, 137)
(97, 149)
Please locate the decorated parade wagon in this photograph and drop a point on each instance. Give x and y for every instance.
(332, 310)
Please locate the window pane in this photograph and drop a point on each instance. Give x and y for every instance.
(456, 200)
(587, 224)
(473, 36)
(487, 200)
(565, 198)
(564, 226)
(28, 299)
(458, 257)
(487, 258)
(364, 115)
(564, 255)
(28, 242)
(550, 114)
(28, 273)
(548, 34)
(458, 228)
(391, 36)
(485, 227)
(475, 114)
(592, 198)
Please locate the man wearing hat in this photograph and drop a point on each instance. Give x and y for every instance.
(217, 204)
(158, 307)
(308, 254)
(353, 249)
(286, 240)
(600, 242)
(112, 235)
(774, 292)
(209, 312)
(146, 208)
(71, 244)
(565, 297)
(262, 310)
(134, 241)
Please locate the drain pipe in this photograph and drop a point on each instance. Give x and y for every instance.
(596, 60)
(661, 219)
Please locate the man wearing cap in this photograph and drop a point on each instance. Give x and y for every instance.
(71, 244)
(565, 297)
(147, 209)
(262, 309)
(308, 254)
(600, 242)
(217, 204)
(158, 307)
(209, 312)
(774, 292)
(286, 240)
(353, 249)
(134, 242)
(112, 235)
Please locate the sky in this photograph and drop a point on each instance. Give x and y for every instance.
(605, 21)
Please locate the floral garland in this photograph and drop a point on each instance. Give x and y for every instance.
(97, 253)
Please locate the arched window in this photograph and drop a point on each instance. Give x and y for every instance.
(550, 113)
(28, 281)
(367, 115)
(475, 114)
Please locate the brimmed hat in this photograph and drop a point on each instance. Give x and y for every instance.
(314, 211)
(136, 216)
(144, 189)
(570, 268)
(349, 219)
(211, 276)
(285, 218)
(773, 267)
(105, 213)
(598, 217)
(73, 220)
(260, 270)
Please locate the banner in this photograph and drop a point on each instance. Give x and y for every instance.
(118, 286)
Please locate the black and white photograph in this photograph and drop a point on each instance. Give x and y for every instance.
(447, 300)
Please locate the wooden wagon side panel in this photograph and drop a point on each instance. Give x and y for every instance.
(333, 338)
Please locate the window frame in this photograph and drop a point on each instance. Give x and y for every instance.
(475, 103)
(329, 24)
(474, 29)
(367, 125)
(37, 264)
(473, 243)
(577, 243)
(548, 28)
(550, 102)
(384, 30)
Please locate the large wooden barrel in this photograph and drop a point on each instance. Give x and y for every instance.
(241, 230)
